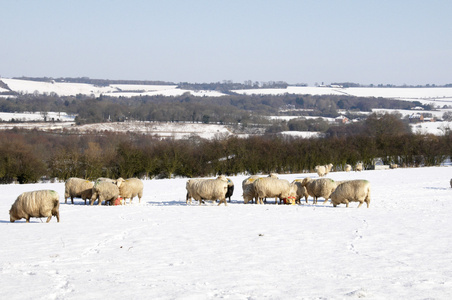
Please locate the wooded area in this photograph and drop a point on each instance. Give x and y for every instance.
(28, 156)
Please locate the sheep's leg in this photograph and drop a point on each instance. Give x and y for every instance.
(276, 200)
(72, 200)
(100, 201)
(346, 202)
(58, 216)
(48, 218)
(326, 200)
(360, 203)
(65, 200)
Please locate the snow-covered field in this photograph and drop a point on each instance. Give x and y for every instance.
(399, 248)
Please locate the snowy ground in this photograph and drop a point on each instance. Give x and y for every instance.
(399, 248)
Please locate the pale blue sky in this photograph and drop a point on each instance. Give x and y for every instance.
(396, 42)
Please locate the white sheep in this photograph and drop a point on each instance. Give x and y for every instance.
(77, 187)
(301, 191)
(104, 190)
(322, 187)
(189, 188)
(208, 189)
(248, 189)
(393, 166)
(274, 188)
(129, 188)
(359, 167)
(353, 190)
(328, 168)
(321, 170)
(348, 168)
(106, 179)
(36, 204)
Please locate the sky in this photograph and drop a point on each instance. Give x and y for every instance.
(367, 42)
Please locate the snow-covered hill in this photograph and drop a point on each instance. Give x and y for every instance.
(399, 248)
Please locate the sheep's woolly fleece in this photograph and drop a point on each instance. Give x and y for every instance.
(399, 248)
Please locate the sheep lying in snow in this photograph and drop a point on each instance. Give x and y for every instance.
(393, 166)
(208, 189)
(301, 191)
(104, 190)
(348, 168)
(129, 188)
(322, 187)
(353, 190)
(359, 167)
(77, 187)
(274, 188)
(36, 204)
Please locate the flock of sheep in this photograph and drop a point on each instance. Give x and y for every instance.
(45, 203)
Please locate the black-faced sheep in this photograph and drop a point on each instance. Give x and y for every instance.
(104, 190)
(36, 204)
(129, 188)
(353, 190)
(268, 187)
(322, 187)
(208, 189)
(230, 189)
(77, 188)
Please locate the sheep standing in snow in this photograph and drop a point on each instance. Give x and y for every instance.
(248, 189)
(322, 187)
(36, 204)
(104, 190)
(301, 191)
(328, 168)
(273, 188)
(77, 187)
(189, 188)
(230, 189)
(348, 168)
(208, 189)
(359, 167)
(353, 190)
(129, 188)
(321, 170)
(393, 166)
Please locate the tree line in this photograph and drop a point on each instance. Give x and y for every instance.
(29, 156)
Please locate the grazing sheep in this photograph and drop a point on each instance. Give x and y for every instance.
(248, 189)
(36, 204)
(208, 189)
(104, 190)
(359, 167)
(275, 188)
(130, 188)
(348, 168)
(77, 187)
(230, 189)
(322, 187)
(353, 190)
(301, 191)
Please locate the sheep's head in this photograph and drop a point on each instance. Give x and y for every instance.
(12, 217)
(119, 181)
